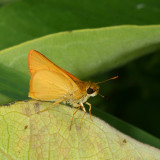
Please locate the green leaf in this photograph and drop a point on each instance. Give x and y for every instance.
(26, 134)
(6, 2)
(83, 53)
(127, 128)
(29, 19)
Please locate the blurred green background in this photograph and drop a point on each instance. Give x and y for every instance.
(134, 96)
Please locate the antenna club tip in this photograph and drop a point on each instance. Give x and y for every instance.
(115, 77)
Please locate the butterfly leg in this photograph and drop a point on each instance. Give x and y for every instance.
(83, 108)
(52, 105)
(89, 109)
(74, 114)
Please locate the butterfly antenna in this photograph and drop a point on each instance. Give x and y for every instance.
(107, 79)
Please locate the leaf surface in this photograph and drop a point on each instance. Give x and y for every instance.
(25, 134)
(83, 53)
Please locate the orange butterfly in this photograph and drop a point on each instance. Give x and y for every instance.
(51, 83)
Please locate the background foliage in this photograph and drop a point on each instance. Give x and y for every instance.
(134, 97)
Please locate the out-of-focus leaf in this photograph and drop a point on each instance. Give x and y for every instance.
(29, 19)
(6, 2)
(83, 53)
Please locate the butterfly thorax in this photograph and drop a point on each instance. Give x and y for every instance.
(84, 92)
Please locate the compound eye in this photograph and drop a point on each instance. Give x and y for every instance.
(90, 90)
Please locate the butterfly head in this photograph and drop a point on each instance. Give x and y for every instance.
(92, 90)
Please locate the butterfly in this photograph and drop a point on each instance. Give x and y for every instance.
(49, 82)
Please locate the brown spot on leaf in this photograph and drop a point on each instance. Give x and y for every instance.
(124, 141)
(26, 126)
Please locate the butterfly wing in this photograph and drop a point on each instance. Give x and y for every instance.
(48, 85)
(48, 81)
(37, 61)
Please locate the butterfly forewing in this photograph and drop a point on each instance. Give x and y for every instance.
(48, 81)
(37, 61)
